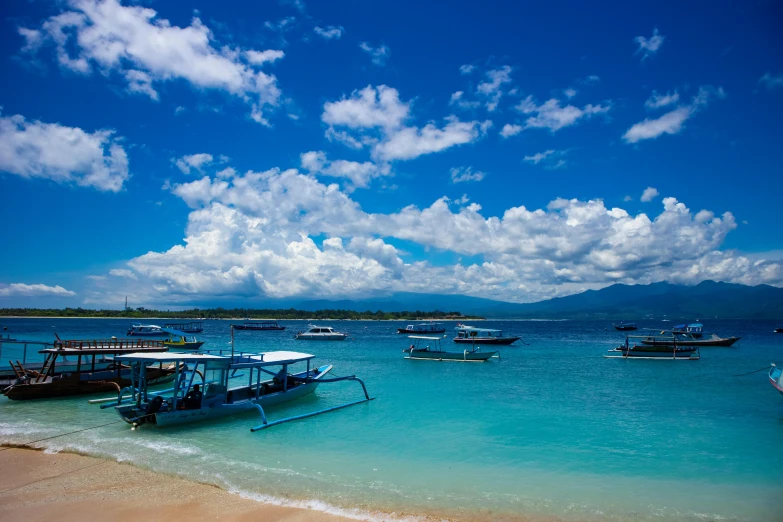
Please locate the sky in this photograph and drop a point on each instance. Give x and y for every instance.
(243, 153)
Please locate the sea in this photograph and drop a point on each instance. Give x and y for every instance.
(551, 430)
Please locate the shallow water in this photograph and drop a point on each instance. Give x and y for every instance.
(551, 429)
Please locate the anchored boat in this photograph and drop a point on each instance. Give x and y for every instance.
(146, 330)
(776, 378)
(422, 328)
(631, 350)
(191, 327)
(258, 325)
(696, 330)
(625, 327)
(429, 348)
(204, 389)
(471, 334)
(179, 341)
(321, 333)
(92, 368)
(686, 339)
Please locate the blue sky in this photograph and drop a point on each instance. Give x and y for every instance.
(238, 152)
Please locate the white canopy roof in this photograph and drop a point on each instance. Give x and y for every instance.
(281, 357)
(169, 357)
(424, 337)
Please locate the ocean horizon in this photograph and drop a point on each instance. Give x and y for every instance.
(550, 430)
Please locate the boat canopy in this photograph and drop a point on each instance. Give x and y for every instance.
(169, 357)
(424, 337)
(472, 328)
(282, 357)
(172, 331)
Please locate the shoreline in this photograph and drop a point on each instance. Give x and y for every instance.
(73, 486)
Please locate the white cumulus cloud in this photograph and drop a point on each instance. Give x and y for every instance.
(34, 149)
(510, 129)
(144, 49)
(649, 46)
(378, 54)
(551, 115)
(649, 194)
(35, 290)
(330, 32)
(465, 174)
(656, 101)
(193, 162)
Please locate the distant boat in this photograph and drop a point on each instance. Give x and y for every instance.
(694, 329)
(258, 325)
(429, 348)
(321, 333)
(192, 327)
(422, 328)
(631, 350)
(776, 378)
(146, 330)
(625, 327)
(473, 335)
(778, 330)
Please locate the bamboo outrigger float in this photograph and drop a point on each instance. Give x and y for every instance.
(94, 370)
(203, 389)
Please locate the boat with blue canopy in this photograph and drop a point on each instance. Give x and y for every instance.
(251, 324)
(429, 348)
(146, 330)
(696, 330)
(191, 327)
(474, 335)
(204, 388)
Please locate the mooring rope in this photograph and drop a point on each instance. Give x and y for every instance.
(23, 444)
(754, 371)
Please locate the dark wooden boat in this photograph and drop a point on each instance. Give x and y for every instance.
(687, 340)
(625, 327)
(91, 374)
(778, 330)
(258, 325)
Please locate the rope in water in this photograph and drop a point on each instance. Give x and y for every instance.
(60, 435)
(754, 371)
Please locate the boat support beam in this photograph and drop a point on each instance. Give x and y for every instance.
(267, 424)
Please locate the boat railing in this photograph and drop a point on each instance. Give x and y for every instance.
(16, 350)
(107, 344)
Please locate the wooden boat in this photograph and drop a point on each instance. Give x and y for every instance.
(146, 330)
(696, 330)
(188, 403)
(179, 341)
(776, 378)
(258, 325)
(422, 328)
(683, 339)
(429, 348)
(659, 351)
(191, 327)
(321, 333)
(625, 327)
(93, 372)
(473, 335)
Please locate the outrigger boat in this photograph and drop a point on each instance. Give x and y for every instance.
(429, 348)
(657, 351)
(94, 371)
(191, 327)
(179, 341)
(187, 403)
(776, 378)
(471, 334)
(625, 327)
(258, 325)
(321, 333)
(146, 330)
(422, 328)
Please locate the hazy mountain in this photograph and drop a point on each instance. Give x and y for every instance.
(707, 299)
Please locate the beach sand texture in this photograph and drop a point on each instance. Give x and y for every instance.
(64, 486)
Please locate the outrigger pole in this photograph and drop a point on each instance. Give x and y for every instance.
(267, 424)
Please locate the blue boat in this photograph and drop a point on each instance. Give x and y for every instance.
(696, 330)
(776, 378)
(191, 327)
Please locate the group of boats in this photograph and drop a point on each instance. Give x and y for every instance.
(210, 384)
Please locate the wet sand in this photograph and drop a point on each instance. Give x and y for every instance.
(39, 486)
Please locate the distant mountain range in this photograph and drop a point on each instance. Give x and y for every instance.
(706, 300)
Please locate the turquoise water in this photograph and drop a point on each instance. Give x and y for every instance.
(551, 429)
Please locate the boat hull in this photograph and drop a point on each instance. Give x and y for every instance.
(776, 379)
(184, 346)
(449, 356)
(653, 352)
(625, 328)
(486, 340)
(262, 329)
(326, 337)
(77, 384)
(728, 341)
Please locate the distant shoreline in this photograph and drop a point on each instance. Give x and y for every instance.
(433, 319)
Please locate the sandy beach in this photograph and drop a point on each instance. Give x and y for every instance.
(40, 486)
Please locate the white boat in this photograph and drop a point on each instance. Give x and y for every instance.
(474, 335)
(149, 330)
(204, 388)
(321, 333)
(429, 348)
(422, 328)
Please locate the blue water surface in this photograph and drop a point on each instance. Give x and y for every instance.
(551, 429)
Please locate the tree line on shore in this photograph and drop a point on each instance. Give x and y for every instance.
(225, 313)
